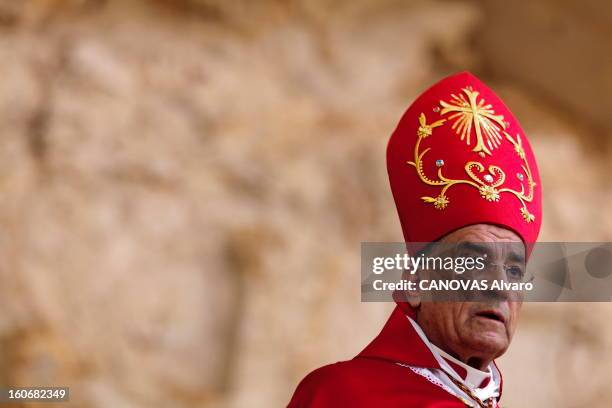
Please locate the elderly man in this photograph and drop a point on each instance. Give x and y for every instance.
(463, 174)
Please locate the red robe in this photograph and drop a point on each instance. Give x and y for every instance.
(375, 377)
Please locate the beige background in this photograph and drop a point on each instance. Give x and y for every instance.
(185, 185)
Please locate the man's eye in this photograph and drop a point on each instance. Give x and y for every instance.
(514, 272)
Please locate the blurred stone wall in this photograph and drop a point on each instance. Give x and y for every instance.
(186, 183)
(561, 48)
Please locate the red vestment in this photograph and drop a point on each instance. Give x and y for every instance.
(379, 376)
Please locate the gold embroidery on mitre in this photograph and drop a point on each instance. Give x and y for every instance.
(469, 112)
(426, 130)
(490, 185)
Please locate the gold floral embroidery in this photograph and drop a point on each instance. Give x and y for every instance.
(426, 130)
(440, 202)
(489, 193)
(518, 145)
(473, 113)
(527, 216)
(490, 185)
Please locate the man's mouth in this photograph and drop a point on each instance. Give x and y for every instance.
(492, 315)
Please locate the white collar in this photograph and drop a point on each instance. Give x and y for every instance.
(472, 373)
(473, 377)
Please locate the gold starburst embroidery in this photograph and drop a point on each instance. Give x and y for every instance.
(470, 112)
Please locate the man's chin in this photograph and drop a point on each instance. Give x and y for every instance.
(490, 343)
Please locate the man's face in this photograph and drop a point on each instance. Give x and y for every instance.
(477, 332)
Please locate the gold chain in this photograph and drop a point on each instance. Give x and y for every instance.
(470, 393)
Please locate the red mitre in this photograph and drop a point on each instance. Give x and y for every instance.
(459, 157)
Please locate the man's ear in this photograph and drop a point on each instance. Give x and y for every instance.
(413, 297)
